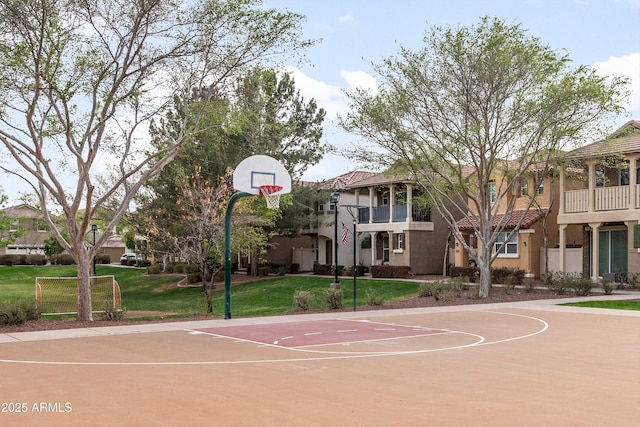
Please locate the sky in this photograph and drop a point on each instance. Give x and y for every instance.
(604, 34)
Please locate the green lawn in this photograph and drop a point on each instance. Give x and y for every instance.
(612, 304)
(259, 298)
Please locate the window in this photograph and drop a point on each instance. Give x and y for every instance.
(600, 178)
(507, 248)
(524, 187)
(14, 225)
(398, 241)
(541, 187)
(625, 178)
(385, 199)
(492, 192)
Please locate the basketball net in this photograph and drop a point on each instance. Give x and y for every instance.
(273, 200)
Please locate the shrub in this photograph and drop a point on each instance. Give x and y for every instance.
(65, 259)
(333, 298)
(282, 271)
(471, 273)
(607, 287)
(17, 312)
(390, 271)
(529, 285)
(195, 277)
(431, 289)
(264, 271)
(507, 276)
(373, 297)
(154, 269)
(560, 282)
(509, 283)
(322, 269)
(35, 259)
(582, 286)
(301, 300)
(360, 270)
(295, 268)
(103, 259)
(114, 314)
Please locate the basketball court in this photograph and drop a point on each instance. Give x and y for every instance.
(528, 363)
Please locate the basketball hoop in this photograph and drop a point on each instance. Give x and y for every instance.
(271, 195)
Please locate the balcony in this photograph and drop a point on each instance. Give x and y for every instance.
(604, 199)
(382, 214)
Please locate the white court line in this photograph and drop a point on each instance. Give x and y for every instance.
(332, 356)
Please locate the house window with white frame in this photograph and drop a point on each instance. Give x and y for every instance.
(398, 241)
(507, 248)
(524, 187)
(492, 192)
(14, 225)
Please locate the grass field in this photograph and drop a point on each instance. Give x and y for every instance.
(259, 298)
(611, 304)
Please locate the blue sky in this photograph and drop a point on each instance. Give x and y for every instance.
(604, 34)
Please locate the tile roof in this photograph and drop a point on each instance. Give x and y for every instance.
(381, 178)
(625, 140)
(531, 216)
(345, 180)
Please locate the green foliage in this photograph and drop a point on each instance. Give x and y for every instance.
(430, 117)
(333, 298)
(373, 297)
(560, 282)
(610, 304)
(115, 314)
(607, 287)
(16, 312)
(301, 300)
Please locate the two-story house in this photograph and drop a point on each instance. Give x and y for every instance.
(605, 206)
(527, 215)
(401, 231)
(30, 230)
(316, 243)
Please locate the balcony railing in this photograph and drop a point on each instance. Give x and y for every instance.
(604, 199)
(382, 214)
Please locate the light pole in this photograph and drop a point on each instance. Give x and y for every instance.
(94, 228)
(350, 209)
(335, 198)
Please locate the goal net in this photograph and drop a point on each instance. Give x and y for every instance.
(59, 295)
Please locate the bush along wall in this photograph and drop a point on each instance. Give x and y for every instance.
(390, 271)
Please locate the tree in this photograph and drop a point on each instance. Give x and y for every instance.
(471, 112)
(264, 114)
(80, 82)
(6, 236)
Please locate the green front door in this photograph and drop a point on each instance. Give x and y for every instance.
(613, 251)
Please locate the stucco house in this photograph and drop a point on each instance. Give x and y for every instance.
(605, 208)
(33, 230)
(401, 231)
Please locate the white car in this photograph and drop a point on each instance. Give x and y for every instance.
(127, 257)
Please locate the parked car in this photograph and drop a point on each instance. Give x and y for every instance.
(128, 258)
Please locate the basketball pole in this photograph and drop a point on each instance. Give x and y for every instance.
(227, 251)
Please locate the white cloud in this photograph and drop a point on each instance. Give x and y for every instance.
(345, 18)
(627, 66)
(327, 96)
(359, 80)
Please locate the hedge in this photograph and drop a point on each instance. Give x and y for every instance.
(390, 271)
(498, 275)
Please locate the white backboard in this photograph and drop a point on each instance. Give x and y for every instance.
(259, 170)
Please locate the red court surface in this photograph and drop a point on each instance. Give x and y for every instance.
(524, 364)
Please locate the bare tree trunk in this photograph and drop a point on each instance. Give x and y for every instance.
(485, 271)
(84, 285)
